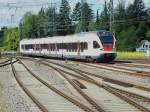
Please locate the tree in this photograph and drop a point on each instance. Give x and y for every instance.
(120, 14)
(97, 18)
(136, 12)
(141, 30)
(78, 27)
(139, 9)
(52, 21)
(76, 15)
(104, 18)
(11, 39)
(87, 16)
(92, 26)
(29, 26)
(42, 30)
(128, 40)
(82, 14)
(65, 23)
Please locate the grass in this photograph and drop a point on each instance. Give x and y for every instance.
(131, 55)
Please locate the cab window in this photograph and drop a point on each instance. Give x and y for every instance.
(95, 45)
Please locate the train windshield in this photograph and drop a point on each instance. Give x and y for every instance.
(106, 38)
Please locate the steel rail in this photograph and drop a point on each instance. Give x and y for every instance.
(104, 78)
(1, 63)
(92, 74)
(119, 69)
(5, 64)
(106, 87)
(116, 81)
(116, 93)
(70, 99)
(137, 73)
(125, 98)
(32, 97)
(90, 100)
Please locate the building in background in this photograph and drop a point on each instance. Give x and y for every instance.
(144, 47)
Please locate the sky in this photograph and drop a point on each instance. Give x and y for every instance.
(12, 11)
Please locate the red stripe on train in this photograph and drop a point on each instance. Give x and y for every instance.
(108, 47)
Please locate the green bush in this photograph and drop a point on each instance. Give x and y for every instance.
(131, 55)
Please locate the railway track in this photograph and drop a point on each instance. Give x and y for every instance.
(140, 70)
(120, 82)
(39, 105)
(76, 86)
(132, 64)
(143, 102)
(7, 62)
(120, 69)
(58, 92)
(105, 78)
(124, 95)
(1, 63)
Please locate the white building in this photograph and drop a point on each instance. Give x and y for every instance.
(145, 46)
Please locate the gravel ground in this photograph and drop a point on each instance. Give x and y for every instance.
(3, 103)
(12, 97)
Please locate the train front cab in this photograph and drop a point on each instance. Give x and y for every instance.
(107, 47)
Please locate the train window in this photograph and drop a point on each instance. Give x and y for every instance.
(59, 46)
(96, 45)
(106, 40)
(37, 46)
(85, 45)
(27, 47)
(69, 47)
(82, 46)
(64, 46)
(44, 46)
(22, 47)
(53, 47)
(74, 47)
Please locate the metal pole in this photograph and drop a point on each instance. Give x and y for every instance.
(110, 18)
(111, 10)
(82, 15)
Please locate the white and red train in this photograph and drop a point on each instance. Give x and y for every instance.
(96, 46)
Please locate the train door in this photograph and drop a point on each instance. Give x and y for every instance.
(78, 50)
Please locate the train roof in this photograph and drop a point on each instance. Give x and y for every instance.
(81, 34)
